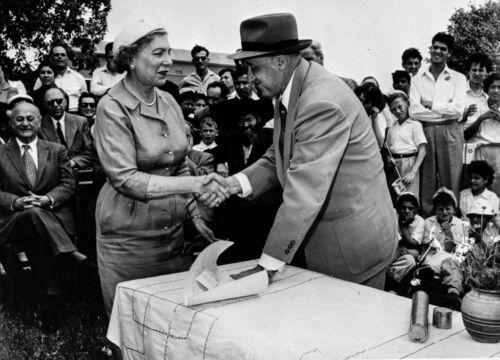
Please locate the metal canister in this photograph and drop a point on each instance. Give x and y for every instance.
(419, 322)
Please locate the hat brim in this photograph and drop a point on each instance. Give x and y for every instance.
(240, 55)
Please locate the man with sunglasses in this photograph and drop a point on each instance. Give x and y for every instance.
(437, 99)
(199, 79)
(66, 129)
(105, 77)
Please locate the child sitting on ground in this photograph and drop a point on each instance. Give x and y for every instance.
(208, 132)
(480, 175)
(406, 142)
(482, 228)
(411, 232)
(443, 232)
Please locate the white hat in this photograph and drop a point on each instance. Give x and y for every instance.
(134, 31)
(18, 97)
(481, 207)
(447, 191)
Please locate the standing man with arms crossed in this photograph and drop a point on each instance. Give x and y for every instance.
(336, 208)
(437, 100)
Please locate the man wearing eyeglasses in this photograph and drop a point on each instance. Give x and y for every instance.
(437, 99)
(66, 129)
(199, 79)
(105, 77)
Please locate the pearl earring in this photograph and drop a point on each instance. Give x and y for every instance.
(132, 67)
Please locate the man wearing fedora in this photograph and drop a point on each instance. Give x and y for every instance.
(336, 213)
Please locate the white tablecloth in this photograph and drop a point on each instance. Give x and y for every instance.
(302, 316)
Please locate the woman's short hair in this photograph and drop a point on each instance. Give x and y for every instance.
(483, 169)
(86, 95)
(489, 80)
(372, 94)
(126, 53)
(45, 63)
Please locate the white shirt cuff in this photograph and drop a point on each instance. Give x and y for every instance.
(271, 264)
(246, 188)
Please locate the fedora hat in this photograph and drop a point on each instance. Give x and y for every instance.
(268, 35)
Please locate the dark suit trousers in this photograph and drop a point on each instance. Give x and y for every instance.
(30, 233)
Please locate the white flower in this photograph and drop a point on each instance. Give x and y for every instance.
(415, 282)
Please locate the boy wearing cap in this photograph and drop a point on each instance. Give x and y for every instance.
(482, 228)
(443, 232)
(411, 232)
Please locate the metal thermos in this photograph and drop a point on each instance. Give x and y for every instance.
(419, 323)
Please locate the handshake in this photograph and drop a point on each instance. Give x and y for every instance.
(215, 189)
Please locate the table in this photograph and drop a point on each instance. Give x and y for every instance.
(303, 315)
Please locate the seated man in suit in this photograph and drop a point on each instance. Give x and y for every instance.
(36, 182)
(66, 129)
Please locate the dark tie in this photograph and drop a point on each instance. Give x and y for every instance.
(281, 141)
(60, 134)
(29, 165)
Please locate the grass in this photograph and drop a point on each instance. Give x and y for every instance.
(81, 333)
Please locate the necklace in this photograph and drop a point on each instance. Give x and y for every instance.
(138, 97)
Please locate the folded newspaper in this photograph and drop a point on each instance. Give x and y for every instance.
(205, 283)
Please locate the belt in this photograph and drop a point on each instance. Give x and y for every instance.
(437, 123)
(401, 156)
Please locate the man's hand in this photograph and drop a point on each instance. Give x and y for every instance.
(222, 170)
(471, 110)
(233, 185)
(491, 114)
(23, 202)
(426, 104)
(408, 179)
(42, 201)
(214, 190)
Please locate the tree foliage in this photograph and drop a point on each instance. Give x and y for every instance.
(30, 26)
(476, 29)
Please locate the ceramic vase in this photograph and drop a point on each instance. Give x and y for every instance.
(481, 314)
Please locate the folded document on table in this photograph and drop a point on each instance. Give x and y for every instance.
(206, 284)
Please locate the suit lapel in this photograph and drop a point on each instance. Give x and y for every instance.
(71, 127)
(298, 82)
(14, 154)
(43, 154)
(48, 130)
(276, 138)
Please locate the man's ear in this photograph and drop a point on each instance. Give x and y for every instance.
(280, 62)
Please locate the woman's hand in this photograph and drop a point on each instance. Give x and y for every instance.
(203, 229)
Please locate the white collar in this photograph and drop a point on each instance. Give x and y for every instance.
(427, 71)
(32, 144)
(285, 97)
(469, 90)
(61, 119)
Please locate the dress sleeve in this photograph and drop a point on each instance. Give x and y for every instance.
(116, 148)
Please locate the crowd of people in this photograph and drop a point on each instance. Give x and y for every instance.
(159, 152)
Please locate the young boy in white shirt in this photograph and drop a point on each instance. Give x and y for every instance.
(208, 133)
